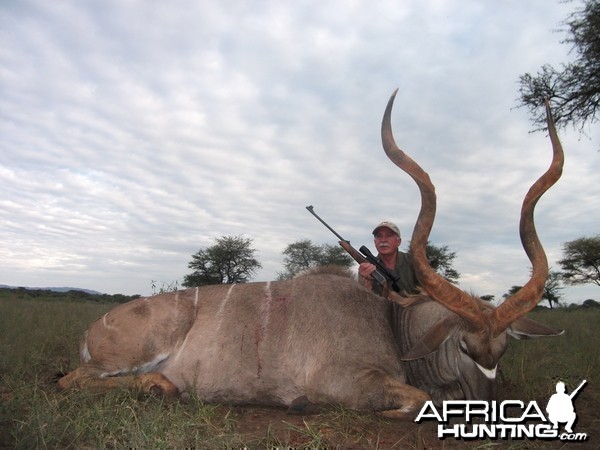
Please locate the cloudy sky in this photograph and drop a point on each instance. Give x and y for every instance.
(134, 133)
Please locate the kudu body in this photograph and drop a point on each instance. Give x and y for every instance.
(323, 338)
(320, 339)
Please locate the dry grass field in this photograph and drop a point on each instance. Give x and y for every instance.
(39, 338)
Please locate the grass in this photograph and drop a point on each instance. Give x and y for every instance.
(533, 367)
(39, 338)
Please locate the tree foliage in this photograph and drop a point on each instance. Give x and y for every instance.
(552, 288)
(573, 90)
(230, 260)
(302, 255)
(513, 290)
(441, 259)
(581, 261)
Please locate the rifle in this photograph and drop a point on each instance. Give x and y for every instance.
(574, 393)
(381, 275)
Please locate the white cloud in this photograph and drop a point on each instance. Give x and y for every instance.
(136, 133)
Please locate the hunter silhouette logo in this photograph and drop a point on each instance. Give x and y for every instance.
(508, 419)
(560, 407)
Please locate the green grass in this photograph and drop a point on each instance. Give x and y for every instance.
(532, 367)
(40, 338)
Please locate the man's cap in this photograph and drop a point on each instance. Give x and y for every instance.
(392, 226)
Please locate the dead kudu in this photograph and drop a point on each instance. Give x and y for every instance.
(320, 339)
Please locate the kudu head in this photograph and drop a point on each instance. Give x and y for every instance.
(478, 330)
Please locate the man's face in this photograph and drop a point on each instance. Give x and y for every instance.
(386, 241)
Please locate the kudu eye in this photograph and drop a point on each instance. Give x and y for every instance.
(463, 347)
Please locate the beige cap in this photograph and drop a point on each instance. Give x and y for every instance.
(392, 226)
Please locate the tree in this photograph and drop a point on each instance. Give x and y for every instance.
(552, 288)
(574, 91)
(581, 261)
(551, 292)
(513, 290)
(440, 259)
(590, 303)
(230, 260)
(164, 287)
(302, 255)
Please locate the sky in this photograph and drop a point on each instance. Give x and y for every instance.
(135, 133)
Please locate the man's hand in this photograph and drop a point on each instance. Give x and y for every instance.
(365, 270)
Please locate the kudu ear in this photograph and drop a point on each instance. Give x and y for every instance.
(431, 341)
(524, 328)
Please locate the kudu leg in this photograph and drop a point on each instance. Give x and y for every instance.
(89, 379)
(402, 400)
(381, 392)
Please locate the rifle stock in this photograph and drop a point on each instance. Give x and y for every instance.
(359, 258)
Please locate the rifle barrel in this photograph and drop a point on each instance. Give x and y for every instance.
(312, 211)
(574, 393)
